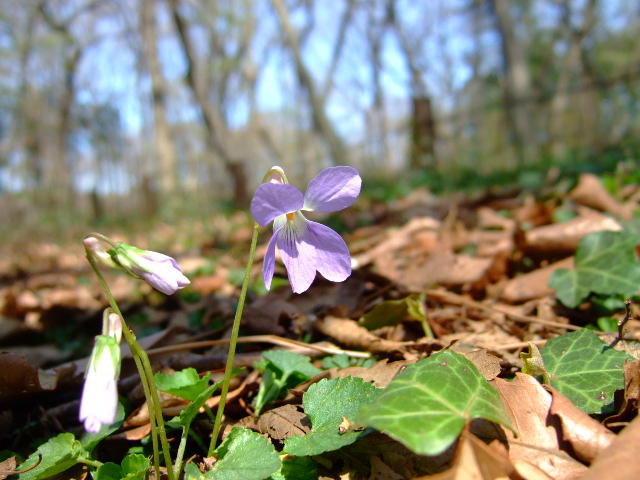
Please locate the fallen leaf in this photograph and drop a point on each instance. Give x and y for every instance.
(528, 403)
(284, 422)
(563, 238)
(621, 457)
(591, 192)
(587, 436)
(478, 461)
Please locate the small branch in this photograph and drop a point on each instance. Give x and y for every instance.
(621, 323)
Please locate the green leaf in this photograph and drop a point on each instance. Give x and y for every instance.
(297, 468)
(585, 369)
(192, 472)
(245, 454)
(326, 403)
(189, 413)
(58, 454)
(282, 369)
(389, 312)
(342, 360)
(185, 383)
(108, 471)
(135, 467)
(428, 403)
(606, 264)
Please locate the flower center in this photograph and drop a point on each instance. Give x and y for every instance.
(290, 216)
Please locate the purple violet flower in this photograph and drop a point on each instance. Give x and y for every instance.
(99, 401)
(160, 271)
(306, 246)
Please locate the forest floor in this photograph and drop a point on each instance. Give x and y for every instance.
(476, 269)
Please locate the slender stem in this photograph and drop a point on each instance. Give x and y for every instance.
(146, 374)
(89, 461)
(233, 341)
(181, 449)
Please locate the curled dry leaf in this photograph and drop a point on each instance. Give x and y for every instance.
(631, 401)
(621, 457)
(563, 238)
(534, 284)
(528, 403)
(352, 335)
(587, 436)
(591, 193)
(477, 460)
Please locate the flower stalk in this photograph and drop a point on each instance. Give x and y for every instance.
(141, 360)
(233, 341)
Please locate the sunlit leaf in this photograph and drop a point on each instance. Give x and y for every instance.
(427, 405)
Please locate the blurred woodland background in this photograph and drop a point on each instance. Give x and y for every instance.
(163, 108)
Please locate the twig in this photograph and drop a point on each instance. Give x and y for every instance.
(273, 339)
(621, 323)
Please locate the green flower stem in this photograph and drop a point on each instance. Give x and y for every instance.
(233, 341)
(146, 374)
(89, 461)
(181, 449)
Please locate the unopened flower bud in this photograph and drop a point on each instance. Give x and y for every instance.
(160, 271)
(100, 393)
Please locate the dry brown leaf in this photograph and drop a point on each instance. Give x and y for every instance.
(284, 422)
(382, 471)
(379, 374)
(417, 272)
(348, 333)
(563, 238)
(534, 284)
(476, 460)
(631, 401)
(591, 192)
(398, 239)
(528, 403)
(587, 436)
(620, 460)
(19, 379)
(488, 365)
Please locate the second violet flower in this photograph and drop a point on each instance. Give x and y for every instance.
(306, 246)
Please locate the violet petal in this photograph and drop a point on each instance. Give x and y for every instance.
(274, 199)
(298, 255)
(269, 262)
(333, 259)
(333, 189)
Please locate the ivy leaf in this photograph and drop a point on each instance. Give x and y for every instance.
(428, 403)
(185, 383)
(281, 370)
(58, 454)
(606, 264)
(585, 369)
(327, 403)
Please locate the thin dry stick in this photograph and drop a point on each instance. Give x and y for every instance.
(273, 339)
(467, 302)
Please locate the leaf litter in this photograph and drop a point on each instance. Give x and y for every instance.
(468, 278)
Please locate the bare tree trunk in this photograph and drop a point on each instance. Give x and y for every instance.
(164, 148)
(234, 167)
(423, 125)
(518, 92)
(57, 175)
(321, 121)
